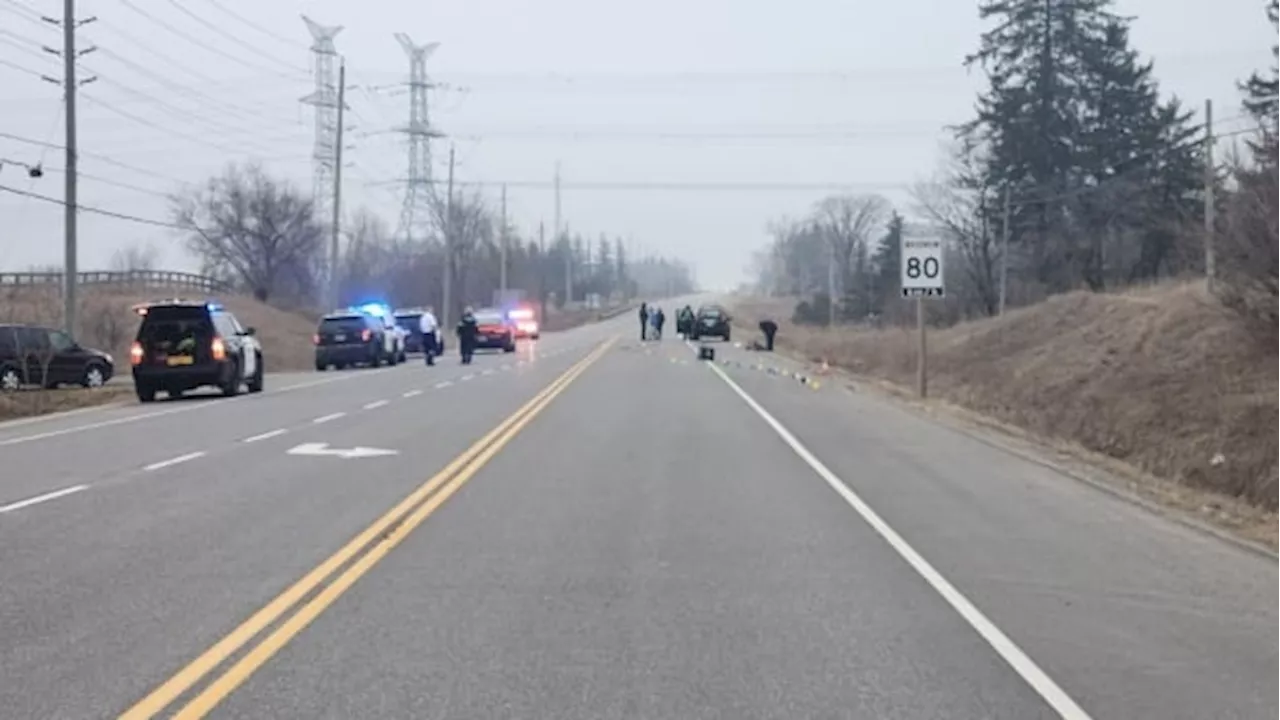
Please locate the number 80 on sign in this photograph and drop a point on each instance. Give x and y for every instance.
(922, 268)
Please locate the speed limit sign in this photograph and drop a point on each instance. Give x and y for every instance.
(922, 268)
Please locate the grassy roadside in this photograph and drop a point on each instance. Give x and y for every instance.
(1154, 393)
(31, 403)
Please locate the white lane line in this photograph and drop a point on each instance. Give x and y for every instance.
(375, 404)
(42, 498)
(521, 362)
(174, 461)
(185, 407)
(265, 435)
(995, 637)
(411, 393)
(327, 418)
(487, 372)
(465, 378)
(505, 368)
(443, 384)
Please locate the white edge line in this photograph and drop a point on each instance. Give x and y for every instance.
(174, 461)
(375, 404)
(412, 393)
(42, 498)
(327, 418)
(1005, 647)
(265, 435)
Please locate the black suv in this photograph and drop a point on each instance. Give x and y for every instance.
(350, 338)
(34, 355)
(711, 320)
(183, 344)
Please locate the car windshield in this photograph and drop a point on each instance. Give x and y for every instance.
(409, 322)
(488, 317)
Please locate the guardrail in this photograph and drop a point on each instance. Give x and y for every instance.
(133, 278)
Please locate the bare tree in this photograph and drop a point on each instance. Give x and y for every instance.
(135, 258)
(848, 222)
(258, 230)
(469, 230)
(962, 209)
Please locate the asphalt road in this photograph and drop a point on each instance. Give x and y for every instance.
(595, 528)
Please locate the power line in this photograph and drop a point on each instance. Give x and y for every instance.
(228, 36)
(101, 158)
(255, 26)
(200, 43)
(20, 68)
(115, 183)
(94, 210)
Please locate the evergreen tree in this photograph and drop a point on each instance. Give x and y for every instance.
(604, 266)
(1260, 100)
(623, 273)
(886, 263)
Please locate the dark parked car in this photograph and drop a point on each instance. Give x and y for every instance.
(711, 320)
(350, 338)
(409, 320)
(186, 344)
(34, 355)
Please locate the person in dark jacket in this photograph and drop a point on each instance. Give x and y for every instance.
(769, 328)
(644, 321)
(467, 335)
(661, 320)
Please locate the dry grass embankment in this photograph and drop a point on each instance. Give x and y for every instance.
(1161, 378)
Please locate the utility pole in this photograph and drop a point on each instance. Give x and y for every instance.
(502, 269)
(337, 189)
(568, 248)
(70, 204)
(448, 247)
(922, 354)
(542, 271)
(1210, 262)
(831, 282)
(1004, 249)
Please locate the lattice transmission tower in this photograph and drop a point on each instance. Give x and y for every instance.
(324, 99)
(415, 213)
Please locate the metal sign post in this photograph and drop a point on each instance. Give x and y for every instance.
(922, 278)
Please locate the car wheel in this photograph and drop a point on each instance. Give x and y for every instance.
(232, 386)
(255, 383)
(95, 376)
(10, 380)
(726, 337)
(376, 362)
(321, 367)
(146, 393)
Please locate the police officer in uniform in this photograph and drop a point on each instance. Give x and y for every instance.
(429, 327)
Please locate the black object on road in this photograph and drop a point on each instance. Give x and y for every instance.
(706, 352)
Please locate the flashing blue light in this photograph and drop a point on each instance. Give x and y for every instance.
(375, 309)
(213, 306)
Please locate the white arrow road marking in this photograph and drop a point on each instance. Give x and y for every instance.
(323, 450)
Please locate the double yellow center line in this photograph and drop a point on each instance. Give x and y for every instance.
(358, 556)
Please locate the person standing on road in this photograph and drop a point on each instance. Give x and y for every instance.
(644, 321)
(429, 327)
(659, 321)
(467, 335)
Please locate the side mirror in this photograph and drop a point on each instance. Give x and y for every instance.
(250, 331)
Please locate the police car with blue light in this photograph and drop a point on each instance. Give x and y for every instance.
(360, 335)
(185, 344)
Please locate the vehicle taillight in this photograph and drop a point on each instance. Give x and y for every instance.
(366, 335)
(218, 348)
(135, 353)
(315, 339)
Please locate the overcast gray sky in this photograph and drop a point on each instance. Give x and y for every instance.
(782, 94)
